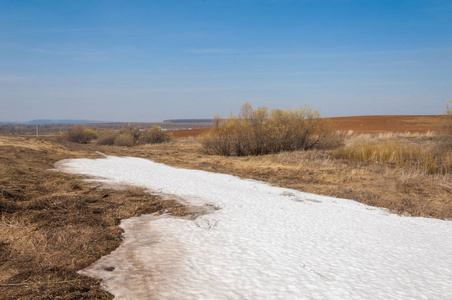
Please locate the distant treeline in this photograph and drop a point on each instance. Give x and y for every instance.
(49, 122)
(188, 121)
(45, 129)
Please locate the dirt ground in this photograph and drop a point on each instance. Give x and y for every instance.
(189, 132)
(375, 124)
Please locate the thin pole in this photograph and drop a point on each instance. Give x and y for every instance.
(37, 132)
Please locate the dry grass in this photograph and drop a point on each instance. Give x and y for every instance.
(401, 190)
(399, 153)
(52, 224)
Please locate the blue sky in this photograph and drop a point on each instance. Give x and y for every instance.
(155, 60)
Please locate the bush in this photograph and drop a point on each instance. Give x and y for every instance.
(132, 135)
(79, 134)
(133, 131)
(125, 139)
(446, 130)
(257, 132)
(153, 135)
(107, 137)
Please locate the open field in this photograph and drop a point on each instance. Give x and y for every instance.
(375, 124)
(49, 129)
(359, 124)
(364, 124)
(189, 132)
(53, 224)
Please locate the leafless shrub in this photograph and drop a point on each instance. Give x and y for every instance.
(125, 139)
(79, 134)
(107, 137)
(214, 143)
(133, 135)
(257, 132)
(153, 135)
(134, 131)
(446, 130)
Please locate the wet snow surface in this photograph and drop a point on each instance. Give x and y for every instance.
(266, 242)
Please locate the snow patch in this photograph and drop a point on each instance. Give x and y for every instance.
(266, 242)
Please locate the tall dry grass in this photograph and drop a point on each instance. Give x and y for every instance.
(446, 129)
(428, 153)
(398, 153)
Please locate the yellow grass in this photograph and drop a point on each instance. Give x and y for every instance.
(420, 152)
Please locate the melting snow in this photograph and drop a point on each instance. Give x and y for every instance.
(266, 242)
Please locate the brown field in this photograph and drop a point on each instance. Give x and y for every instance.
(189, 132)
(363, 124)
(53, 224)
(360, 124)
(375, 124)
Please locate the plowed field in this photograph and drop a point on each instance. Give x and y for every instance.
(364, 124)
(188, 132)
(374, 124)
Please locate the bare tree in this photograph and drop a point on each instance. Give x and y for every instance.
(216, 121)
(245, 111)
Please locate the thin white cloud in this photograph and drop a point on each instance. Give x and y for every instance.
(87, 54)
(214, 51)
(318, 53)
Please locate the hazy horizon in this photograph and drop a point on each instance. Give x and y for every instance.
(144, 61)
(85, 121)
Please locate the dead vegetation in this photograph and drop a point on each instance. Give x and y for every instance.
(259, 132)
(127, 136)
(53, 224)
(425, 155)
(79, 134)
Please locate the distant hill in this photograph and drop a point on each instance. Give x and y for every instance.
(48, 121)
(188, 121)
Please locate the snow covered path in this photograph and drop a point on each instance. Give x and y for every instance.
(266, 243)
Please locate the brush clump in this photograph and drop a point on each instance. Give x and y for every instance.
(259, 132)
